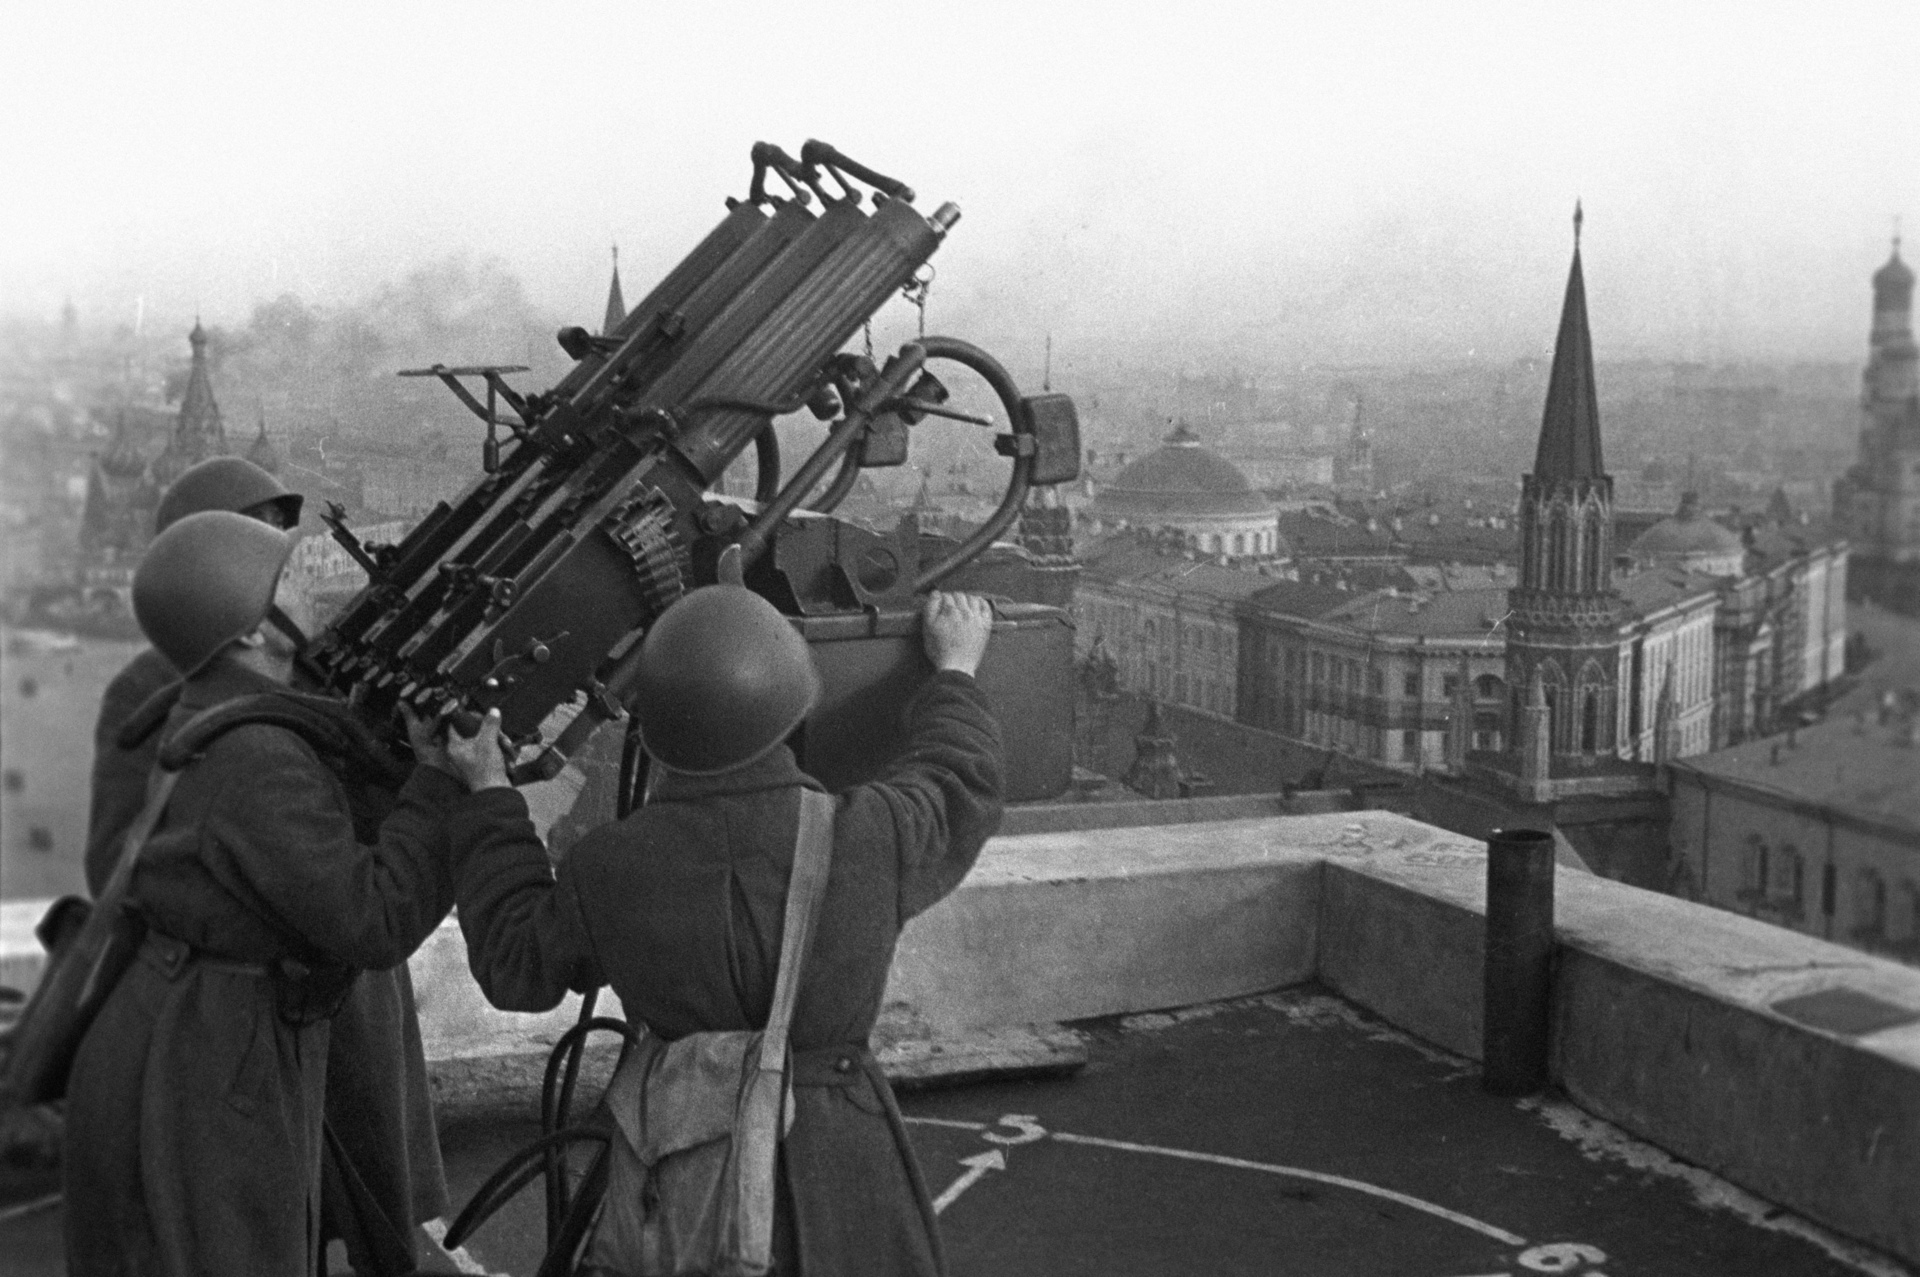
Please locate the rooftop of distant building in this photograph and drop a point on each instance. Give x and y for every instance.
(1182, 477)
(1853, 763)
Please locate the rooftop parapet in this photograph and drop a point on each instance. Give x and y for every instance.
(1787, 1065)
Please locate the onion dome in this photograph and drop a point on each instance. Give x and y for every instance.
(1896, 277)
(1688, 539)
(1181, 478)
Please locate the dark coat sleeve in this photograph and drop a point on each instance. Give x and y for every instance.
(279, 836)
(944, 793)
(527, 941)
(119, 781)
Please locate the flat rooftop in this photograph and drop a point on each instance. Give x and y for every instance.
(1281, 1133)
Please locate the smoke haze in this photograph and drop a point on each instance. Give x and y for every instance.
(1193, 184)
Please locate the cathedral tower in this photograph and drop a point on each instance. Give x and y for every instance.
(1564, 627)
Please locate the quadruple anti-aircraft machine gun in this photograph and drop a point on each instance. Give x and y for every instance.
(532, 591)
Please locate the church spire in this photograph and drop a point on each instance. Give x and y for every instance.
(616, 304)
(198, 432)
(1570, 426)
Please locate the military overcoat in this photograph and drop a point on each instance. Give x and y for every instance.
(194, 1106)
(680, 909)
(377, 1085)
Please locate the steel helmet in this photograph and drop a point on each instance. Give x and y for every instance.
(723, 678)
(224, 483)
(206, 581)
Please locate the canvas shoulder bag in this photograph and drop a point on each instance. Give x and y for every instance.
(698, 1121)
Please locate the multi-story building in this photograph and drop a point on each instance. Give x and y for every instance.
(1410, 679)
(1817, 829)
(1171, 622)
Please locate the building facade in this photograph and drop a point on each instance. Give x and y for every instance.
(1781, 830)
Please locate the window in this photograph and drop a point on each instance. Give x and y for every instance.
(1376, 681)
(1410, 745)
(1753, 867)
(1412, 686)
(1869, 905)
(1488, 687)
(1449, 686)
(1789, 875)
(1590, 723)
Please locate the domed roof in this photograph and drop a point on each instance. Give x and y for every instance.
(1182, 478)
(1687, 535)
(1896, 275)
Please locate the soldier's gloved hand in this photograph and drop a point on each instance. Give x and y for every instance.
(955, 629)
(424, 735)
(477, 758)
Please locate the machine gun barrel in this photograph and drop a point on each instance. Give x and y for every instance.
(531, 589)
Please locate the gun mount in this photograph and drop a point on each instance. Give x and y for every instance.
(530, 593)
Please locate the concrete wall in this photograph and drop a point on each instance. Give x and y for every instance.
(1668, 1019)
(1666, 1024)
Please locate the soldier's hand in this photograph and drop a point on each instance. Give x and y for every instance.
(955, 629)
(477, 759)
(428, 749)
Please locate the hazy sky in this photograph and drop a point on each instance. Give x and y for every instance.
(1338, 182)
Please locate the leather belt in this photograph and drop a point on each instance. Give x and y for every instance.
(170, 957)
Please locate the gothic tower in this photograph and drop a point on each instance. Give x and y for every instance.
(1563, 631)
(1878, 502)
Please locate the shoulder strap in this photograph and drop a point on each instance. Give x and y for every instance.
(812, 855)
(147, 719)
(201, 728)
(327, 726)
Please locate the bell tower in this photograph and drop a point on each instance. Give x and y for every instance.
(1878, 502)
(1563, 631)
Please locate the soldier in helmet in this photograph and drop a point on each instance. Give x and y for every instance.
(679, 907)
(119, 773)
(384, 1173)
(194, 1115)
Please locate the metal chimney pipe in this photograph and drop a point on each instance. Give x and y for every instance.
(1519, 963)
